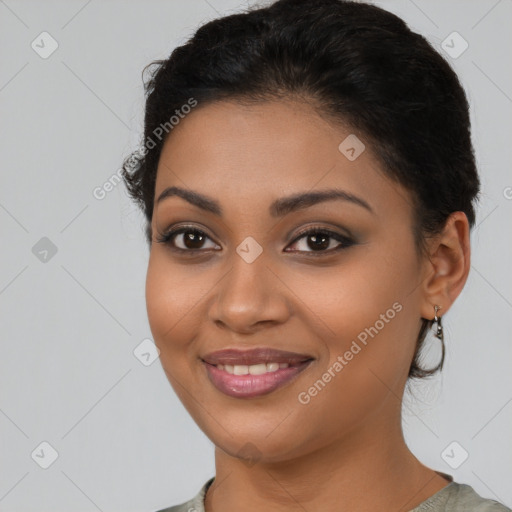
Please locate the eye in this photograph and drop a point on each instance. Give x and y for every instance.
(185, 239)
(322, 241)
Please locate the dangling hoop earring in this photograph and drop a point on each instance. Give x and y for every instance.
(437, 320)
(439, 332)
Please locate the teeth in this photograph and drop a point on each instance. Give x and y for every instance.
(240, 369)
(257, 369)
(253, 369)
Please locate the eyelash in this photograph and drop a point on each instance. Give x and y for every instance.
(345, 241)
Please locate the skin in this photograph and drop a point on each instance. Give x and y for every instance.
(345, 449)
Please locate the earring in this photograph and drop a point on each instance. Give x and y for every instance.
(439, 335)
(437, 320)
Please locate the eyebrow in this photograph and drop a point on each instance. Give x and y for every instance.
(278, 208)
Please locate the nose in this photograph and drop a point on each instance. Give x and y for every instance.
(249, 297)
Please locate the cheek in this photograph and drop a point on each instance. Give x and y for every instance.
(172, 295)
(364, 375)
(369, 324)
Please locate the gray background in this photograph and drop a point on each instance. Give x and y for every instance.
(70, 324)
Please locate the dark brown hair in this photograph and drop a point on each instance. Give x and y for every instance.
(354, 62)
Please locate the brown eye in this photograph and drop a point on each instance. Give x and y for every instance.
(322, 241)
(185, 239)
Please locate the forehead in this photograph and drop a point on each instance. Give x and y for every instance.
(267, 150)
(261, 136)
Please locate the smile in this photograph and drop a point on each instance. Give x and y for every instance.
(253, 369)
(251, 381)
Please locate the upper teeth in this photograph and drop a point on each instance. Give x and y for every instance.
(253, 369)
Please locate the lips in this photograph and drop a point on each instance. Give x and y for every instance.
(255, 372)
(254, 356)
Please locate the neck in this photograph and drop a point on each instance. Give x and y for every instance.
(367, 469)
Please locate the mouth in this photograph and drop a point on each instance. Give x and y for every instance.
(253, 373)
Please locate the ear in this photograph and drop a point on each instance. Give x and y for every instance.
(447, 268)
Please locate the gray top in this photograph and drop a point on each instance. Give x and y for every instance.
(454, 497)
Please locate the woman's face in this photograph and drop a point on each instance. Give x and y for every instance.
(348, 301)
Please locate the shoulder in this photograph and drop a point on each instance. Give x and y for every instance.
(184, 507)
(457, 497)
(196, 504)
(464, 497)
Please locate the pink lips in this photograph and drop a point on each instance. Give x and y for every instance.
(249, 386)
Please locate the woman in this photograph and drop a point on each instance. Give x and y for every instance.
(308, 181)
